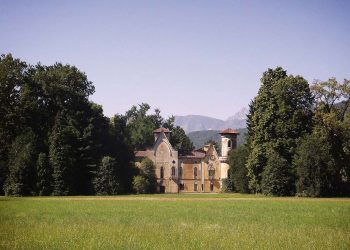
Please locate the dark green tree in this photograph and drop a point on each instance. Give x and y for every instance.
(277, 178)
(62, 157)
(147, 171)
(13, 74)
(44, 175)
(106, 181)
(280, 114)
(333, 124)
(141, 126)
(237, 159)
(315, 168)
(22, 160)
(180, 141)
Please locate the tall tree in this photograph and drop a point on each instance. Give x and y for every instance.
(13, 74)
(180, 141)
(22, 160)
(315, 167)
(332, 123)
(237, 159)
(106, 181)
(44, 175)
(279, 115)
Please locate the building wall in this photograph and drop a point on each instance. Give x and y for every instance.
(164, 156)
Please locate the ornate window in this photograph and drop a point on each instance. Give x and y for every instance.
(211, 187)
(161, 172)
(211, 173)
(195, 174)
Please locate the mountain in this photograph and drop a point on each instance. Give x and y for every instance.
(199, 138)
(198, 122)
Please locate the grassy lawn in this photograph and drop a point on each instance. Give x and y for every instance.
(174, 222)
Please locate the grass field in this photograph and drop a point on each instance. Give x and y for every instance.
(174, 222)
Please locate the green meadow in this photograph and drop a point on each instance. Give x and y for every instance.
(208, 221)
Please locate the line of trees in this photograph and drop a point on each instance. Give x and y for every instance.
(55, 141)
(298, 139)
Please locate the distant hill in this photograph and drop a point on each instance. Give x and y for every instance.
(199, 138)
(199, 122)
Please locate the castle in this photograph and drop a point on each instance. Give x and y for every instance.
(201, 171)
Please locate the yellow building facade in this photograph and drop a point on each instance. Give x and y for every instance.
(202, 171)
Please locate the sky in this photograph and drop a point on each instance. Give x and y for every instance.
(183, 57)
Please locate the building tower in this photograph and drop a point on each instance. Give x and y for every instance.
(228, 142)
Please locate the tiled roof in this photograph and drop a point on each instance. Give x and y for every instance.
(229, 131)
(140, 153)
(159, 130)
(194, 154)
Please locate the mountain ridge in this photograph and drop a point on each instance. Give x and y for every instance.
(192, 123)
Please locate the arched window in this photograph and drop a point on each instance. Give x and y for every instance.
(180, 172)
(195, 172)
(161, 172)
(173, 171)
(229, 143)
(211, 173)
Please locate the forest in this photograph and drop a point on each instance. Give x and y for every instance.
(298, 139)
(55, 141)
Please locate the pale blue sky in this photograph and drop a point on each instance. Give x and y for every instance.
(184, 57)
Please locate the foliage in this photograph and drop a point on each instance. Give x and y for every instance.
(22, 159)
(147, 170)
(332, 123)
(227, 185)
(237, 159)
(106, 181)
(44, 175)
(13, 74)
(315, 167)
(279, 115)
(180, 141)
(278, 176)
(140, 184)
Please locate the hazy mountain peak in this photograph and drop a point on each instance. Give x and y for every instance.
(199, 122)
(239, 115)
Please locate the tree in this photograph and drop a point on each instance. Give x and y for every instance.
(146, 180)
(279, 115)
(332, 123)
(148, 172)
(277, 177)
(180, 141)
(13, 74)
(44, 175)
(21, 179)
(140, 184)
(120, 147)
(315, 167)
(237, 159)
(141, 125)
(62, 157)
(106, 181)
